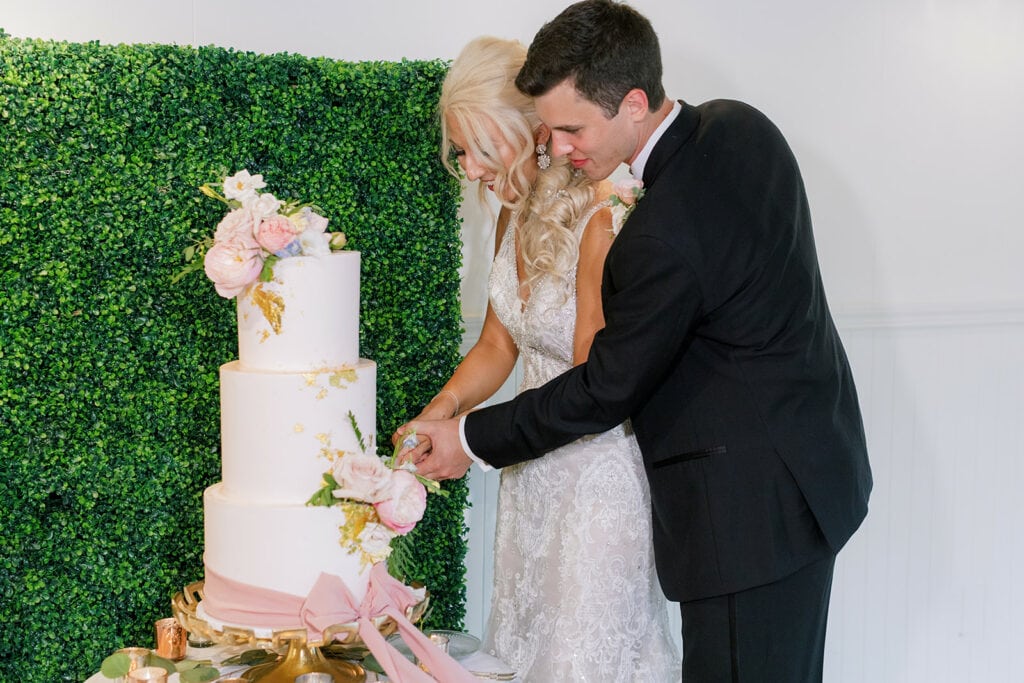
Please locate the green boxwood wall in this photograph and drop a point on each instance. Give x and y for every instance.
(109, 425)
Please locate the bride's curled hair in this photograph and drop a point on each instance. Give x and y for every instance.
(480, 99)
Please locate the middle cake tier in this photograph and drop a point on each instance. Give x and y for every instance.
(280, 431)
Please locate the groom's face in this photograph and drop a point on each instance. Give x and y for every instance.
(582, 131)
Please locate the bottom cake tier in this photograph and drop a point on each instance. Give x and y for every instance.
(273, 547)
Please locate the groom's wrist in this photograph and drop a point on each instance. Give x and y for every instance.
(465, 446)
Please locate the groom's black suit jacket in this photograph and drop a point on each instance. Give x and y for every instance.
(719, 345)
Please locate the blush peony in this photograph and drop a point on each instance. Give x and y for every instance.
(404, 504)
(232, 266)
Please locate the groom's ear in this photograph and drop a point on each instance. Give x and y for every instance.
(635, 103)
(542, 134)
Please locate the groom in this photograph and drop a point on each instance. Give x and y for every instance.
(719, 347)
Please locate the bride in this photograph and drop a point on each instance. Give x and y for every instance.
(575, 593)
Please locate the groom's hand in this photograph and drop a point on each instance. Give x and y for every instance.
(446, 458)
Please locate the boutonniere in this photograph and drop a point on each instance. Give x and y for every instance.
(626, 193)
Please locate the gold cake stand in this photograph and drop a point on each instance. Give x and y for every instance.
(334, 653)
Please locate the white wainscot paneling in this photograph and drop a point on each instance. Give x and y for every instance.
(929, 589)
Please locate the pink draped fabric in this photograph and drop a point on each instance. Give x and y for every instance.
(330, 602)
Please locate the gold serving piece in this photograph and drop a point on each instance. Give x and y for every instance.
(332, 653)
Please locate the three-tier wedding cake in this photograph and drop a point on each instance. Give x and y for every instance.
(287, 410)
(301, 522)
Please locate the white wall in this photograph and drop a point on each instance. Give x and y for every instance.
(904, 115)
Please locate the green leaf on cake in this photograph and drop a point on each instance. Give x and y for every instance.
(267, 273)
(324, 496)
(355, 426)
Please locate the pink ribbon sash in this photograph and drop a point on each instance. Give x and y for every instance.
(330, 602)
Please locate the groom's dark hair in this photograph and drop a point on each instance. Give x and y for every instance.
(606, 48)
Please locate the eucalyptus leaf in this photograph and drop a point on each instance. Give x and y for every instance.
(189, 664)
(116, 665)
(165, 664)
(200, 674)
(252, 658)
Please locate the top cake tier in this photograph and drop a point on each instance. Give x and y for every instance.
(306, 318)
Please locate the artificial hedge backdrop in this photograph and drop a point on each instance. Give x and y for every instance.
(109, 415)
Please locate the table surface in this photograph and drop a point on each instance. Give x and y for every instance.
(477, 663)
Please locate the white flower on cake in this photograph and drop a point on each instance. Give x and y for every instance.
(258, 231)
(375, 542)
(380, 501)
(243, 186)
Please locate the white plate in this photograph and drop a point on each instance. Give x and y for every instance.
(459, 644)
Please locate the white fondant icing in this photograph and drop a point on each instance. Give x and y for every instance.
(280, 431)
(280, 547)
(319, 325)
(284, 412)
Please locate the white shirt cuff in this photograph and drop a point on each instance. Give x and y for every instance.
(465, 446)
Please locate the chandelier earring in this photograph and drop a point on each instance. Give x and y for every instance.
(543, 158)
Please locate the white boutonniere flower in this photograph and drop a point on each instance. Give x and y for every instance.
(626, 193)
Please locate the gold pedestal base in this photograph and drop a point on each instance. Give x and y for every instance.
(340, 641)
(303, 659)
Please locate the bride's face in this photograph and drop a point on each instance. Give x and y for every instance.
(476, 162)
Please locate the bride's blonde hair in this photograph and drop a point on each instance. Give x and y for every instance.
(480, 88)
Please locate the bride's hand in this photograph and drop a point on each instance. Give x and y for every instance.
(414, 448)
(435, 410)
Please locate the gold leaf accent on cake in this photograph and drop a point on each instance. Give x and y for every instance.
(299, 427)
(323, 438)
(310, 378)
(342, 376)
(357, 516)
(271, 304)
(322, 394)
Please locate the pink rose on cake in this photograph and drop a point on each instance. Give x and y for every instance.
(361, 477)
(238, 225)
(257, 221)
(275, 234)
(404, 502)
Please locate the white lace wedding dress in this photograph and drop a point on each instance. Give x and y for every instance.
(575, 597)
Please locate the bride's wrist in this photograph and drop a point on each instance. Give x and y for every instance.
(449, 397)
